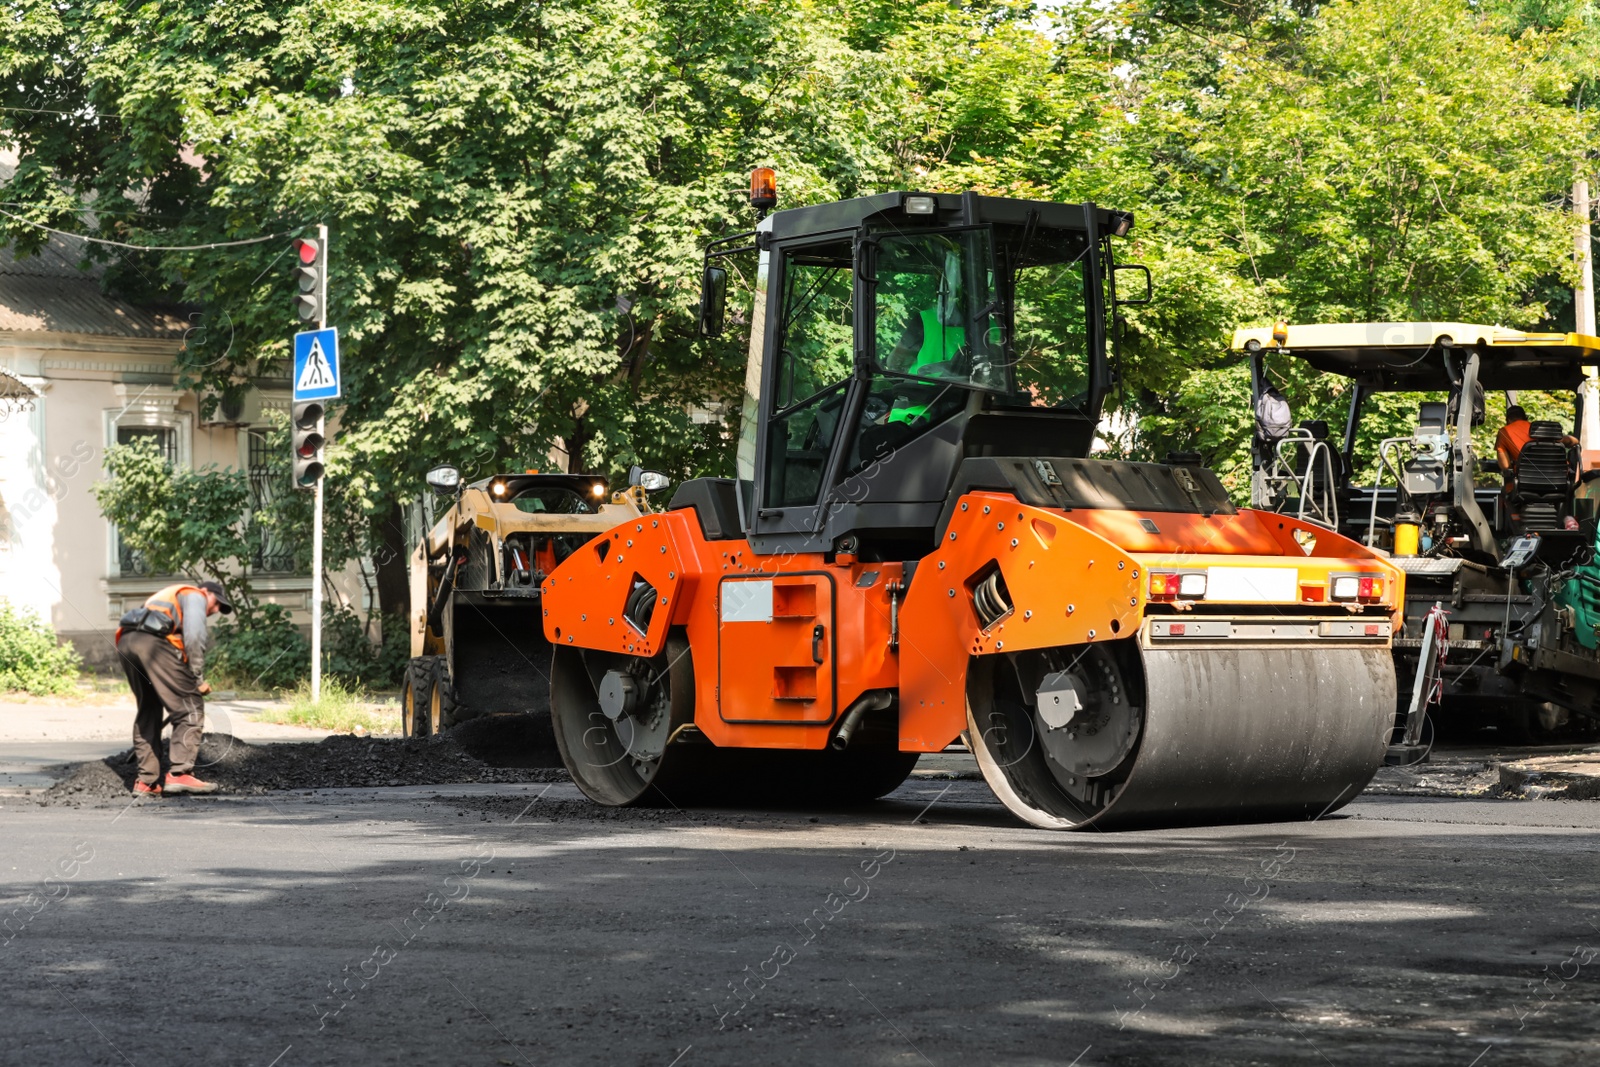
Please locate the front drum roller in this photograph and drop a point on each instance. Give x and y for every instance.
(614, 716)
(1111, 735)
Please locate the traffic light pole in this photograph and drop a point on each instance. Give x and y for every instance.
(316, 522)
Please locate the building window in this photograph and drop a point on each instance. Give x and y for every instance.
(131, 564)
(269, 554)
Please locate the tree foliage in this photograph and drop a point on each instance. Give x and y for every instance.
(181, 521)
(519, 193)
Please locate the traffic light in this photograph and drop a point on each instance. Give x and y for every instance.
(309, 274)
(308, 441)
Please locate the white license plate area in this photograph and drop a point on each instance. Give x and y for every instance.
(1253, 585)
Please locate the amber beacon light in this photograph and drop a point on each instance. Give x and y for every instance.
(763, 190)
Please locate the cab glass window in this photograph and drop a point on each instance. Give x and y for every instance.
(816, 346)
(549, 500)
(1050, 335)
(934, 308)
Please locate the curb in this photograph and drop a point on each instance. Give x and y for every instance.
(1554, 777)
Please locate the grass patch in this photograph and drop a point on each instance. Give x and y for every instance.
(341, 710)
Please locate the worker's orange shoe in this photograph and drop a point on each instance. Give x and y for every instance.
(142, 790)
(188, 783)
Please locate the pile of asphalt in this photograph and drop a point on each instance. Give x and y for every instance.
(491, 749)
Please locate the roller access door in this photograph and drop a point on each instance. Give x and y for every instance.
(776, 649)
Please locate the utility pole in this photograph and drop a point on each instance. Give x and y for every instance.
(1583, 310)
(1583, 295)
(316, 522)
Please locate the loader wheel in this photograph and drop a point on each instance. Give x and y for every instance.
(613, 716)
(408, 707)
(416, 697)
(442, 697)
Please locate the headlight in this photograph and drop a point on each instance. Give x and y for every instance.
(1192, 586)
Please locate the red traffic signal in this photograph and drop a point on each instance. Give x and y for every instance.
(311, 277)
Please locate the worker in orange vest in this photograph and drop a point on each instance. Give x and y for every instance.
(162, 646)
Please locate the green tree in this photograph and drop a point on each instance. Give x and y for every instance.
(185, 522)
(496, 175)
(1326, 163)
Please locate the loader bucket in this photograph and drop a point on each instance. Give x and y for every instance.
(501, 662)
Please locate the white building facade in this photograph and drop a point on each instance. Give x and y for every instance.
(83, 370)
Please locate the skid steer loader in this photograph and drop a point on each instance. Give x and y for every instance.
(477, 646)
(918, 547)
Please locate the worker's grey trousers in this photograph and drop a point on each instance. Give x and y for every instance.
(162, 684)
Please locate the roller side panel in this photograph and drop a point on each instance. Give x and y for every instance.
(1067, 584)
(756, 698)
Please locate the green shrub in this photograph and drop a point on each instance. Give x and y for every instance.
(266, 650)
(348, 655)
(30, 657)
(261, 650)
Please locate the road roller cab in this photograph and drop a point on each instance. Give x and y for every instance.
(1501, 557)
(917, 547)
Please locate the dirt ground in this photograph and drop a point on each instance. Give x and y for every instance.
(502, 748)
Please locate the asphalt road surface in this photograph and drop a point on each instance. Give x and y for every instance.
(515, 924)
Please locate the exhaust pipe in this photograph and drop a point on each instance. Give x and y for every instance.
(872, 700)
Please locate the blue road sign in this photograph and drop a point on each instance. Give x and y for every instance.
(316, 364)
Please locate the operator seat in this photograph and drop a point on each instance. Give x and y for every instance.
(1543, 491)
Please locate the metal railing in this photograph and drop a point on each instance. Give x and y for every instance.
(1314, 497)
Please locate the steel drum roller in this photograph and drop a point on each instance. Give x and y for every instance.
(1118, 736)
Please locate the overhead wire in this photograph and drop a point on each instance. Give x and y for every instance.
(153, 248)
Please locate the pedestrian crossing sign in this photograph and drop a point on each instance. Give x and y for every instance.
(316, 365)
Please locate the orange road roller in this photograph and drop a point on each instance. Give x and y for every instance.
(919, 548)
